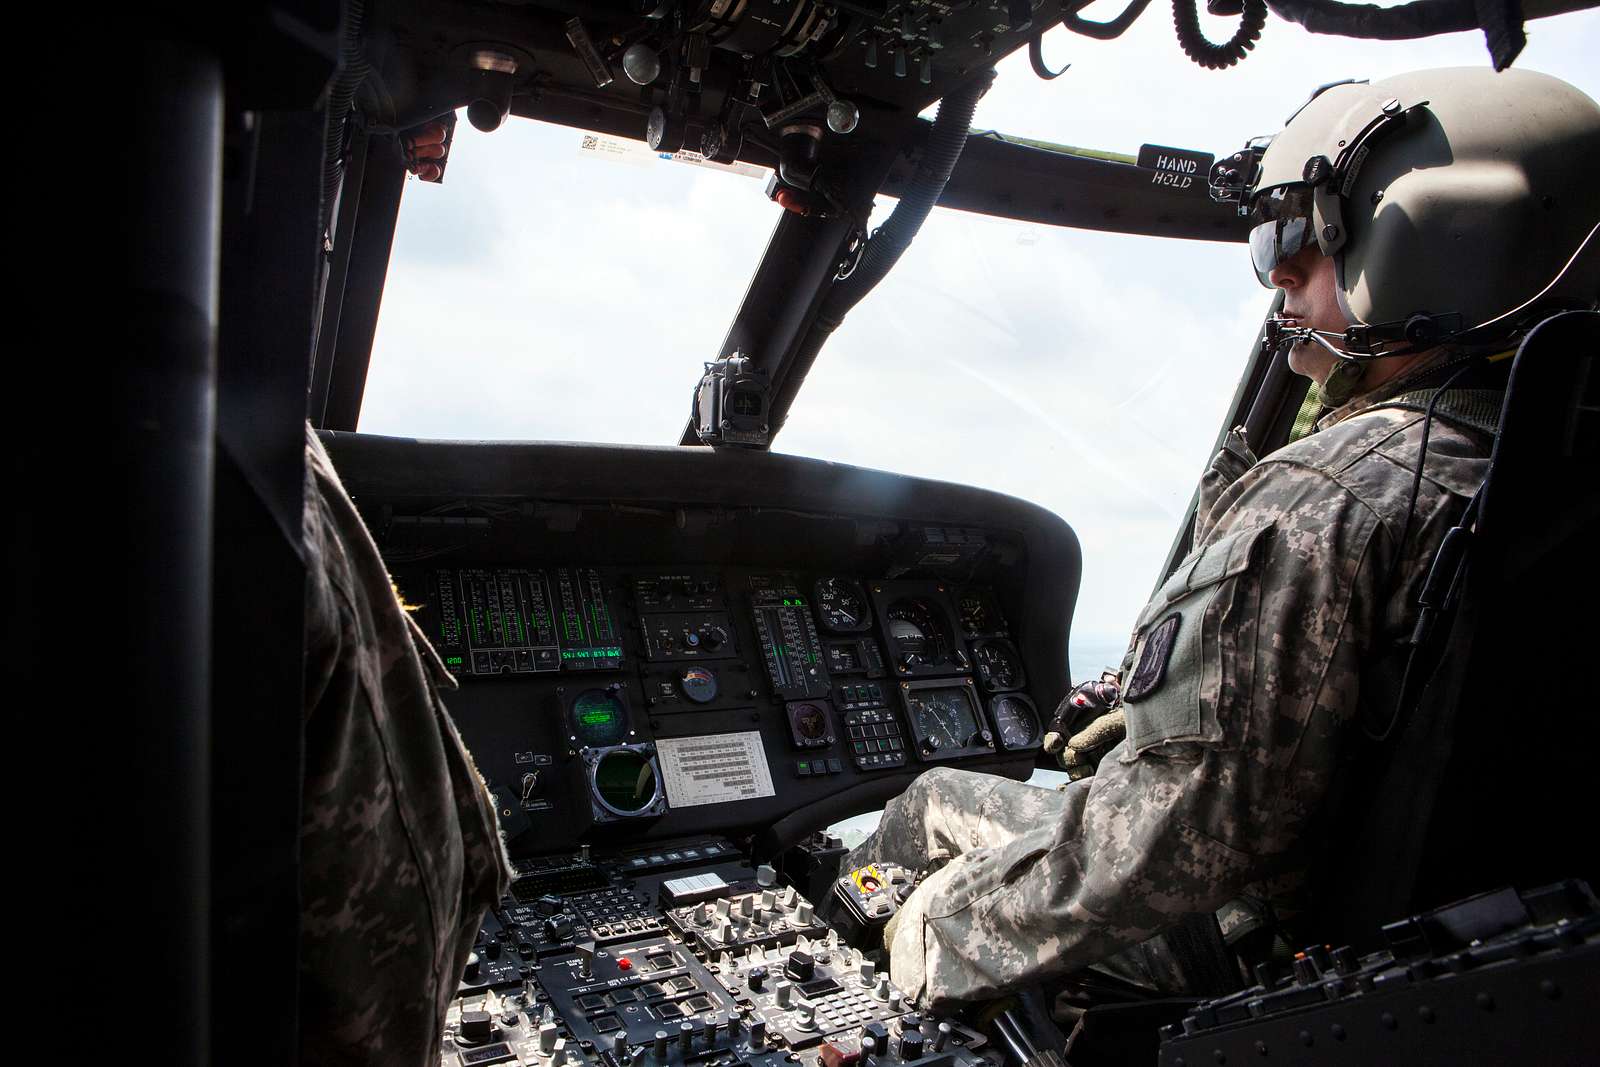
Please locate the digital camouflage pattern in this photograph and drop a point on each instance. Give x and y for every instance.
(1290, 605)
(399, 847)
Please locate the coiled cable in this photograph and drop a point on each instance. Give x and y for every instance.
(1186, 17)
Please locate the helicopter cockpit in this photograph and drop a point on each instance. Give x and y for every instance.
(712, 589)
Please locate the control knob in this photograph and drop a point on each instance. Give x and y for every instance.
(801, 967)
(477, 1027)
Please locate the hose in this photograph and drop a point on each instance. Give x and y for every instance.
(1186, 17)
(1421, 18)
(349, 73)
(890, 241)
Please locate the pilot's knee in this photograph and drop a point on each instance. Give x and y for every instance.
(941, 784)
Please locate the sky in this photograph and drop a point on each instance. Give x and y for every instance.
(542, 293)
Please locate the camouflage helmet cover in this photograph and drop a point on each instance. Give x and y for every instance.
(1455, 190)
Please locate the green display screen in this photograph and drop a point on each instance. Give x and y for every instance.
(598, 718)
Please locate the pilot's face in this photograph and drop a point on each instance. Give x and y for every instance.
(1310, 297)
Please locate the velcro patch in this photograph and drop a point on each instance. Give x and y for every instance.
(1152, 668)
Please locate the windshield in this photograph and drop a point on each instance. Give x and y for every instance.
(558, 287)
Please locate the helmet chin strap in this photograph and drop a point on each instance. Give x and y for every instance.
(1344, 379)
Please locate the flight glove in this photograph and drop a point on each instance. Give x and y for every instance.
(1089, 707)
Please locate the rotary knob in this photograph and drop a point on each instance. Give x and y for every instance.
(477, 1027)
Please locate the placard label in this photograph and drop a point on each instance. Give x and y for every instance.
(1176, 168)
(714, 769)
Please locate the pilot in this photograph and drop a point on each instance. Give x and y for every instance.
(400, 851)
(1431, 209)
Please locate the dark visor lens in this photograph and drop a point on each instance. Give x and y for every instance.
(1282, 228)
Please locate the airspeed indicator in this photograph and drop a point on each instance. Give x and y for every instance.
(842, 605)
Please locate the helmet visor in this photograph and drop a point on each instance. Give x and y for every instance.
(1281, 227)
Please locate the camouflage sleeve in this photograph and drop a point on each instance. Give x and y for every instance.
(1244, 673)
(399, 848)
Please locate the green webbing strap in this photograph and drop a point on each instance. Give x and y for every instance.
(1310, 411)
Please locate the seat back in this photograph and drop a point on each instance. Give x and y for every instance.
(1488, 779)
(1517, 791)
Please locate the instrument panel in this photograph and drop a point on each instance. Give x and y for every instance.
(675, 664)
(638, 701)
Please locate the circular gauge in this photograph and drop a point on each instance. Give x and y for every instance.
(974, 612)
(599, 718)
(943, 719)
(842, 605)
(998, 667)
(809, 724)
(625, 782)
(978, 613)
(698, 684)
(914, 628)
(1015, 720)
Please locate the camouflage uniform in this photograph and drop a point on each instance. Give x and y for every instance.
(399, 848)
(1244, 674)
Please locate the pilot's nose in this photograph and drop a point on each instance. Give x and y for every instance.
(1291, 274)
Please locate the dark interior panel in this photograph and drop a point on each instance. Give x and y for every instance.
(653, 643)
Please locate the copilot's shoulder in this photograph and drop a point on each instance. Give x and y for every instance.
(1372, 458)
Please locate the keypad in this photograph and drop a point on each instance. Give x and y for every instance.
(874, 737)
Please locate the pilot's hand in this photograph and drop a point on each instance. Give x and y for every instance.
(888, 933)
(424, 149)
(1077, 730)
(1088, 746)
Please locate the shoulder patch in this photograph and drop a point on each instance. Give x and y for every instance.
(1152, 667)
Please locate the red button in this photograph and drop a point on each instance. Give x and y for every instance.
(624, 964)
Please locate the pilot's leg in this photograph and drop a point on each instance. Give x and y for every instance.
(946, 812)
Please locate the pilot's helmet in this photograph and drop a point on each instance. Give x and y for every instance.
(1440, 193)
